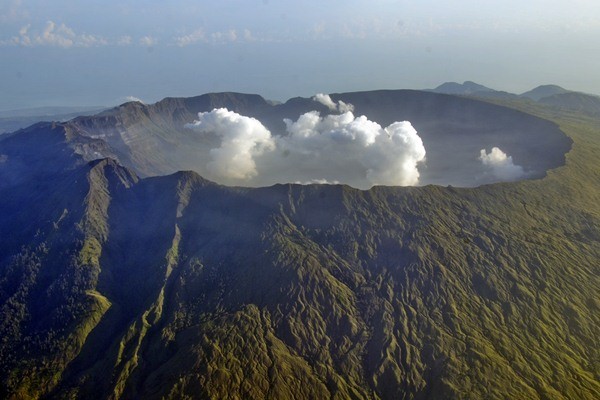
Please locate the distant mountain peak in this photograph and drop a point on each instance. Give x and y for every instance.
(544, 91)
(467, 87)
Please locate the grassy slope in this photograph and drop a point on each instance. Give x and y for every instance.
(469, 293)
(398, 293)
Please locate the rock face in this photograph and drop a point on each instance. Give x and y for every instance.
(112, 286)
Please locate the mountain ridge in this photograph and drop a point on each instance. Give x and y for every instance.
(467, 87)
(549, 94)
(153, 139)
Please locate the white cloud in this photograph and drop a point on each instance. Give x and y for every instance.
(54, 35)
(23, 39)
(222, 37)
(218, 37)
(317, 182)
(248, 36)
(345, 107)
(353, 150)
(326, 100)
(196, 36)
(124, 41)
(92, 40)
(241, 140)
(317, 31)
(336, 148)
(61, 36)
(501, 165)
(148, 41)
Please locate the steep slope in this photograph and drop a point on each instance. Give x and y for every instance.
(580, 102)
(41, 151)
(152, 139)
(50, 267)
(174, 286)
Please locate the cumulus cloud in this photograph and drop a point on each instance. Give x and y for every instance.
(501, 165)
(326, 100)
(196, 36)
(124, 41)
(335, 148)
(345, 107)
(218, 37)
(61, 35)
(222, 37)
(91, 40)
(148, 41)
(242, 139)
(248, 36)
(55, 35)
(318, 30)
(354, 150)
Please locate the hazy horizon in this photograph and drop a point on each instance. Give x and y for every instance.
(65, 54)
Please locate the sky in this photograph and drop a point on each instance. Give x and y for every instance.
(102, 53)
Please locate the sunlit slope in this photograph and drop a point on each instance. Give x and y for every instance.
(174, 286)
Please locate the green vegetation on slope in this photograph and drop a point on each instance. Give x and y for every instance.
(195, 290)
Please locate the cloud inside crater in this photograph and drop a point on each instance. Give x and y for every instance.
(335, 148)
(501, 165)
(241, 139)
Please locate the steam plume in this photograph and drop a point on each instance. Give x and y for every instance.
(501, 164)
(336, 148)
(326, 100)
(241, 140)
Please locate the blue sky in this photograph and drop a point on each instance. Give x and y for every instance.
(66, 52)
